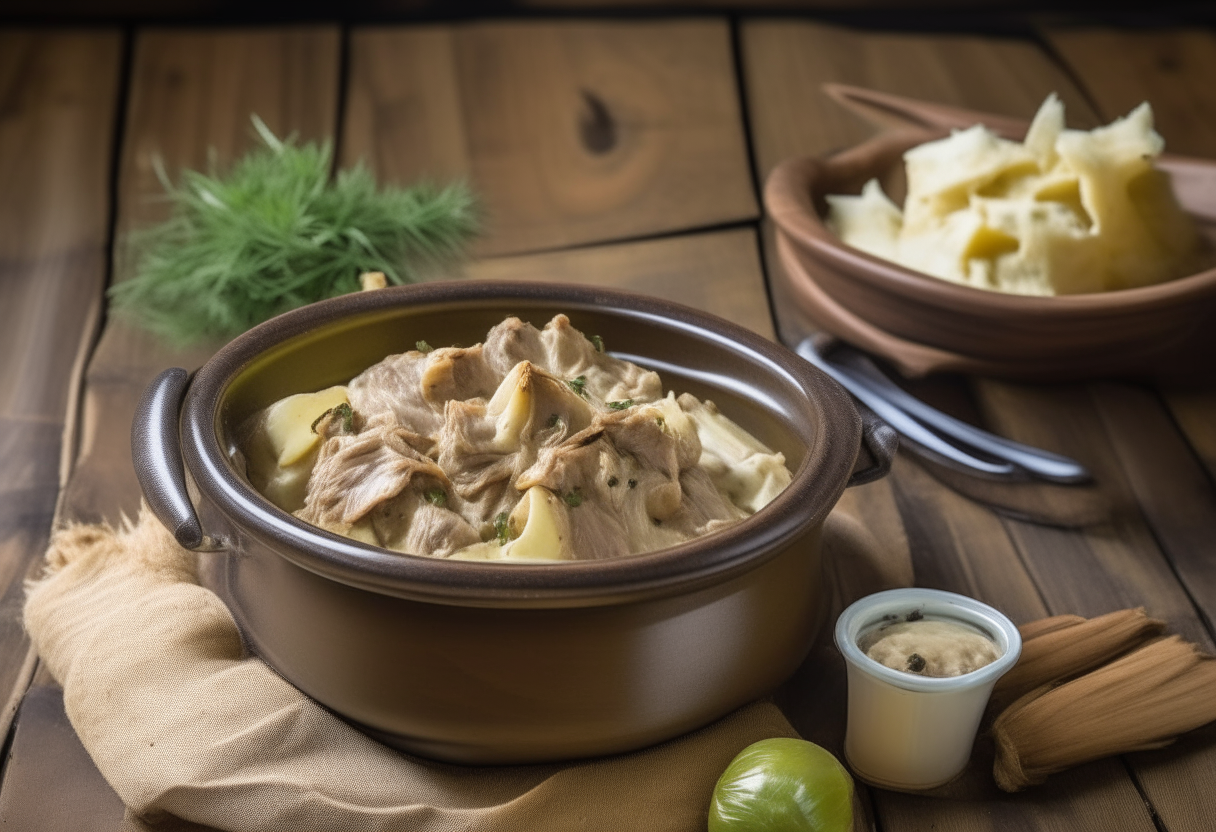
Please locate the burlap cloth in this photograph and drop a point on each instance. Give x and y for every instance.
(185, 725)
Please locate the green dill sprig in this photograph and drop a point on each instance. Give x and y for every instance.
(574, 498)
(501, 528)
(342, 411)
(597, 342)
(423, 347)
(436, 497)
(276, 232)
(624, 404)
(579, 385)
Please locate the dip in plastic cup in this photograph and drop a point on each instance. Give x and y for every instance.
(910, 732)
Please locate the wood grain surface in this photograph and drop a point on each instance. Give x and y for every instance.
(1172, 69)
(1165, 440)
(1026, 566)
(717, 272)
(614, 153)
(58, 104)
(190, 101)
(573, 132)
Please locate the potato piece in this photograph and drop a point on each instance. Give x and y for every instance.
(870, 222)
(544, 528)
(289, 422)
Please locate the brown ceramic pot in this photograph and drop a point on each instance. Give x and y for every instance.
(481, 662)
(923, 323)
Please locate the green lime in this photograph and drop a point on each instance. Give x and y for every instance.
(783, 785)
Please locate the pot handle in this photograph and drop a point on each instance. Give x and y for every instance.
(156, 450)
(879, 442)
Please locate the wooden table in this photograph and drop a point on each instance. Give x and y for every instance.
(618, 152)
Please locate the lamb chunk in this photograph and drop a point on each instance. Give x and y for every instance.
(626, 472)
(394, 386)
(564, 352)
(457, 373)
(413, 524)
(570, 354)
(511, 342)
(355, 473)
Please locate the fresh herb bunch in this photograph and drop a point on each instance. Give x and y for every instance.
(277, 232)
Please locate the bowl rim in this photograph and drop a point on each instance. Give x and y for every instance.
(793, 186)
(815, 488)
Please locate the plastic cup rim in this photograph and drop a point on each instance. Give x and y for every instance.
(869, 610)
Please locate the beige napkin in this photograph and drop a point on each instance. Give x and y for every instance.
(184, 725)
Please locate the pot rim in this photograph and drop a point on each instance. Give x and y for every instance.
(815, 487)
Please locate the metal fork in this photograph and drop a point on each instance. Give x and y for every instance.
(927, 429)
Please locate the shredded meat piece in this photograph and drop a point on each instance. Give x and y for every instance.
(411, 523)
(394, 386)
(355, 473)
(437, 450)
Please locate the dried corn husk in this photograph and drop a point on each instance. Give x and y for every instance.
(1141, 701)
(1043, 626)
(1065, 646)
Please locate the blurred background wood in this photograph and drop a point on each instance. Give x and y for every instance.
(621, 152)
(58, 101)
(1027, 568)
(572, 132)
(190, 100)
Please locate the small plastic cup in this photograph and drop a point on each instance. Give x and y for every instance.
(908, 732)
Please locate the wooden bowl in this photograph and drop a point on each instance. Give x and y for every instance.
(925, 324)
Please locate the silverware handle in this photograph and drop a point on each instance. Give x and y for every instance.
(904, 424)
(156, 450)
(1043, 464)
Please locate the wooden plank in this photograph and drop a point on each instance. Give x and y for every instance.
(1017, 565)
(191, 97)
(46, 750)
(1169, 462)
(787, 62)
(190, 100)
(59, 99)
(1170, 68)
(717, 272)
(1160, 530)
(572, 132)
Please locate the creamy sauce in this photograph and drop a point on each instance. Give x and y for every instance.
(535, 446)
(929, 647)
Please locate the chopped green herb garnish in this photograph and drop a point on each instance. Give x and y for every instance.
(436, 497)
(423, 346)
(612, 482)
(598, 343)
(574, 498)
(660, 421)
(343, 412)
(579, 385)
(500, 528)
(625, 404)
(633, 483)
(554, 421)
